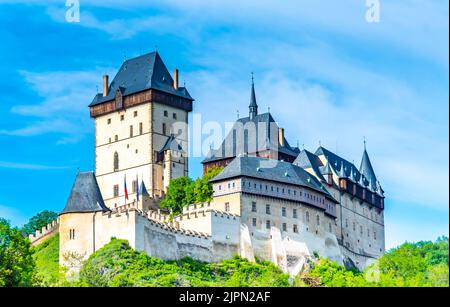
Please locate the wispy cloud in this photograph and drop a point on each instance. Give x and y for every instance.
(63, 108)
(30, 166)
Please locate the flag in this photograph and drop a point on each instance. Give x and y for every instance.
(137, 188)
(125, 186)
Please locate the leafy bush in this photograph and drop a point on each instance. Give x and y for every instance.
(117, 264)
(421, 264)
(16, 262)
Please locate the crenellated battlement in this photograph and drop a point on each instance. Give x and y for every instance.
(49, 230)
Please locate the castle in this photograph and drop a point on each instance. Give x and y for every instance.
(271, 200)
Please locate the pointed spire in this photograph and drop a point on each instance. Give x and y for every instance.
(253, 107)
(342, 171)
(367, 170)
(326, 169)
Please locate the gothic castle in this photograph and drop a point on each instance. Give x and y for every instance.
(271, 201)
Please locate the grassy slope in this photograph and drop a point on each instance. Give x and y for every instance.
(46, 256)
(117, 264)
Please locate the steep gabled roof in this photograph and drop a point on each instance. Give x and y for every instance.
(85, 195)
(232, 147)
(307, 159)
(271, 170)
(142, 73)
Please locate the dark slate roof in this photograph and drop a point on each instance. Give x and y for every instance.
(142, 73)
(307, 159)
(337, 163)
(271, 170)
(367, 170)
(85, 195)
(237, 147)
(171, 144)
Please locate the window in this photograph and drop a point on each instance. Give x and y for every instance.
(109, 121)
(110, 140)
(284, 227)
(164, 128)
(220, 187)
(254, 222)
(346, 223)
(283, 211)
(116, 138)
(174, 115)
(329, 227)
(116, 190)
(360, 230)
(317, 220)
(295, 228)
(71, 234)
(354, 226)
(227, 207)
(122, 117)
(165, 113)
(116, 161)
(294, 213)
(141, 129)
(267, 209)
(295, 192)
(253, 206)
(135, 114)
(268, 224)
(307, 216)
(374, 235)
(134, 186)
(368, 233)
(131, 131)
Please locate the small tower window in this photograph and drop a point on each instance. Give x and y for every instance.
(267, 209)
(284, 227)
(131, 131)
(109, 121)
(122, 117)
(227, 207)
(116, 161)
(165, 113)
(307, 216)
(268, 224)
(295, 228)
(174, 115)
(254, 222)
(283, 211)
(116, 190)
(141, 129)
(135, 113)
(294, 213)
(317, 220)
(164, 128)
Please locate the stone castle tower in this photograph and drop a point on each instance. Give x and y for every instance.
(141, 132)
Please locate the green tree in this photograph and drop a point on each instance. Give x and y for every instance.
(175, 198)
(16, 262)
(203, 190)
(38, 221)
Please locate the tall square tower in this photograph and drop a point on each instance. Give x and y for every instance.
(141, 130)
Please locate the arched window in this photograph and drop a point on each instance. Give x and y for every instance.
(116, 161)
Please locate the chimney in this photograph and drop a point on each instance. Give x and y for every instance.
(175, 79)
(105, 85)
(281, 136)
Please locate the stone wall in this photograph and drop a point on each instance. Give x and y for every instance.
(44, 233)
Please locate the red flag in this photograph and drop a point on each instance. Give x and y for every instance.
(125, 186)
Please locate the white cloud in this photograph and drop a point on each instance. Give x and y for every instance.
(29, 166)
(63, 109)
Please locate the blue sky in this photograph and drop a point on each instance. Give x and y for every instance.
(326, 74)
